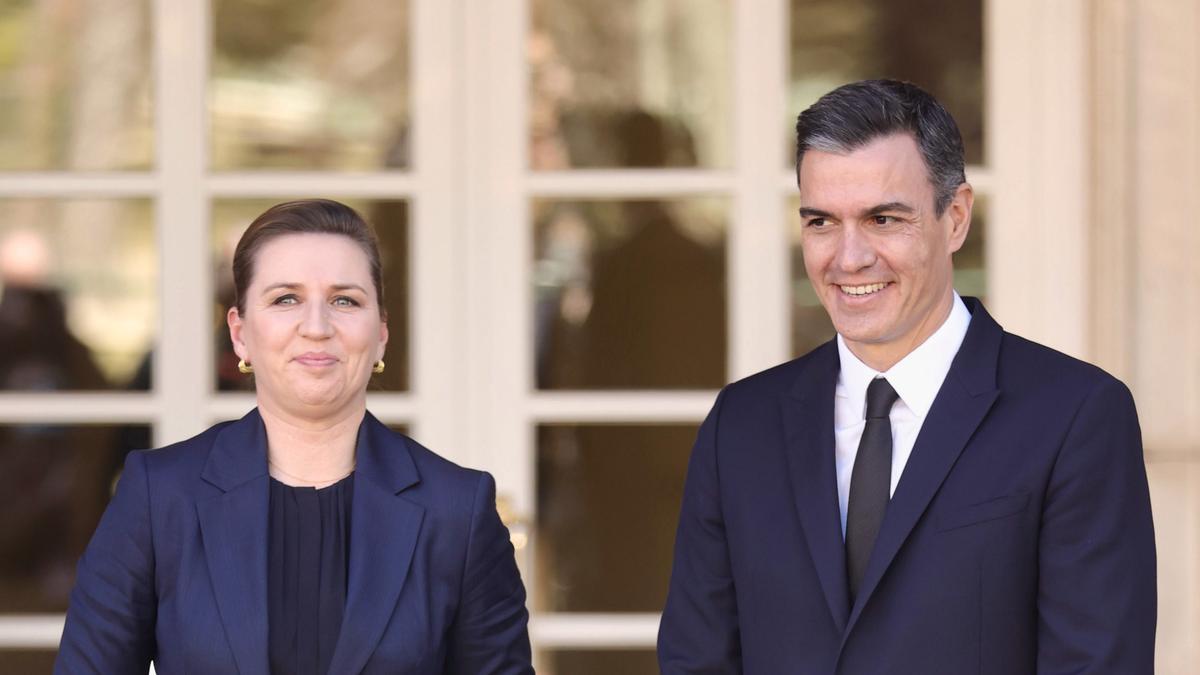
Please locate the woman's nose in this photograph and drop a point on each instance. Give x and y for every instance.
(316, 321)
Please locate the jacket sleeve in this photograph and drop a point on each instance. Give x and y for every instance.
(490, 633)
(111, 617)
(699, 630)
(1097, 581)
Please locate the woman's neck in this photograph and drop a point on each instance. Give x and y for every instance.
(310, 453)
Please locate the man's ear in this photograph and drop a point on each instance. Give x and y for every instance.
(234, 319)
(959, 213)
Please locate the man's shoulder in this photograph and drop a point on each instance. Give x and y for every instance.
(788, 376)
(1024, 363)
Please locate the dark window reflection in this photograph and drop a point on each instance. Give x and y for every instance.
(55, 481)
(630, 83)
(390, 220)
(630, 294)
(75, 83)
(27, 660)
(597, 662)
(78, 294)
(310, 84)
(811, 326)
(608, 501)
(933, 43)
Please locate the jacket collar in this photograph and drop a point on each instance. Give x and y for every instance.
(964, 399)
(234, 526)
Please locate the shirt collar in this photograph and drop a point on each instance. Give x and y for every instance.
(919, 375)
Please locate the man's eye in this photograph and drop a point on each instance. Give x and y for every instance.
(883, 220)
(816, 222)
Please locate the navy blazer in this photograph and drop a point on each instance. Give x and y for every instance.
(1018, 540)
(177, 569)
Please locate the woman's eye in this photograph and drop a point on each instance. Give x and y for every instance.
(343, 301)
(286, 300)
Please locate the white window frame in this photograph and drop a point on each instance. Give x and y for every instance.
(472, 397)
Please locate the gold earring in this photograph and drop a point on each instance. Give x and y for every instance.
(379, 366)
(245, 368)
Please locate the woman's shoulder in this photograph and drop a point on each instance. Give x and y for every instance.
(435, 468)
(181, 461)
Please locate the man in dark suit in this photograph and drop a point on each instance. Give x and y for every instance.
(926, 493)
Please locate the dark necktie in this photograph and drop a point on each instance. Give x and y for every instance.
(870, 482)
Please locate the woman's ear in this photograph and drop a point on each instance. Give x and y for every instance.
(234, 319)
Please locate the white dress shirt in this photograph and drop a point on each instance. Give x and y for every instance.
(916, 378)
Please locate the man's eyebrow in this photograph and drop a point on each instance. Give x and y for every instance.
(807, 212)
(889, 207)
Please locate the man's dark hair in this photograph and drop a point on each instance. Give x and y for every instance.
(855, 114)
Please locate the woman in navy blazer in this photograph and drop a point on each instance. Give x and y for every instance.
(306, 536)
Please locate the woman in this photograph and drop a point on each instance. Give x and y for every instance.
(306, 537)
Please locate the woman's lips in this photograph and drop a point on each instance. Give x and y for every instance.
(315, 359)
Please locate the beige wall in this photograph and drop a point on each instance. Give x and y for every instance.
(1145, 272)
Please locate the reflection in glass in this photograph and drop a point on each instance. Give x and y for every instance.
(630, 294)
(630, 83)
(310, 84)
(75, 87)
(27, 660)
(55, 481)
(230, 217)
(811, 326)
(935, 44)
(78, 300)
(608, 501)
(597, 662)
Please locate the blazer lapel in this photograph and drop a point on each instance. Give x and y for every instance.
(233, 525)
(383, 535)
(807, 412)
(962, 403)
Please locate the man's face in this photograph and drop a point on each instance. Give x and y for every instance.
(875, 250)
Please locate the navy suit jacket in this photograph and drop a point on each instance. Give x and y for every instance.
(177, 569)
(1018, 540)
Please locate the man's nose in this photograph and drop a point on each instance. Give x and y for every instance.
(855, 250)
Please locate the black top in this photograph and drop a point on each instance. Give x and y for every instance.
(306, 572)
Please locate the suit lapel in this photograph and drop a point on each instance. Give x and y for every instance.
(963, 401)
(807, 412)
(233, 525)
(383, 535)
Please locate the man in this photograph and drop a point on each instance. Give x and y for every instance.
(926, 493)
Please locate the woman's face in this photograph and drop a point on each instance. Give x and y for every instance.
(312, 327)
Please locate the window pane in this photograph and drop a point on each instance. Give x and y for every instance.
(79, 303)
(310, 84)
(55, 481)
(608, 501)
(597, 662)
(630, 294)
(75, 85)
(630, 83)
(936, 44)
(811, 326)
(27, 660)
(230, 217)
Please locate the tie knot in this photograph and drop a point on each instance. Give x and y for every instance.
(880, 397)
